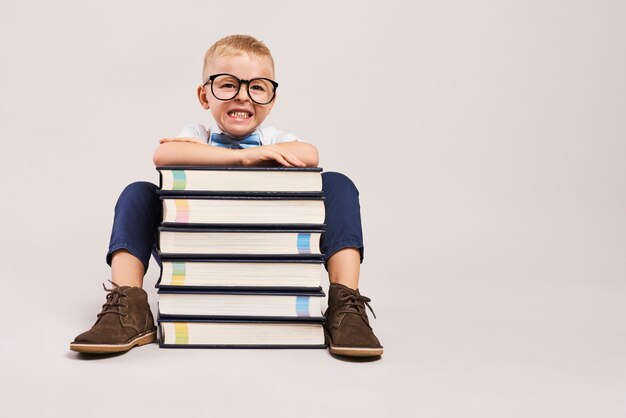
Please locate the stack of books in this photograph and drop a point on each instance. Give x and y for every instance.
(241, 260)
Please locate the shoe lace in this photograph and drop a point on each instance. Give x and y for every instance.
(355, 303)
(113, 300)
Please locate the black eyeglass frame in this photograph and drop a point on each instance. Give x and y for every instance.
(247, 82)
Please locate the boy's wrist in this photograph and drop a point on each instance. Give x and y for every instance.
(240, 156)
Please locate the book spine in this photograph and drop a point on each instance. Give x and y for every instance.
(240, 273)
(180, 333)
(287, 243)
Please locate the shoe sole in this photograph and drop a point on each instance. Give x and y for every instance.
(143, 339)
(352, 351)
(355, 351)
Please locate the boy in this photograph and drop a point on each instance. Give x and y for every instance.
(239, 90)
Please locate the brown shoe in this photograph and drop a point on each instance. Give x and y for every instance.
(347, 329)
(125, 321)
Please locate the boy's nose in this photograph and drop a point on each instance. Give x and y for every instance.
(242, 95)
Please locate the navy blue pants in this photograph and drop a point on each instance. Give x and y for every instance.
(138, 214)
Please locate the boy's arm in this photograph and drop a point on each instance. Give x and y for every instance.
(194, 153)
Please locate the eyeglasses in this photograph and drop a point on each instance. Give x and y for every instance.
(226, 87)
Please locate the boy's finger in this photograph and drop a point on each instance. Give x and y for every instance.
(295, 161)
(291, 157)
(280, 159)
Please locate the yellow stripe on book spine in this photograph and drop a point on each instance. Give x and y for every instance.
(178, 273)
(182, 333)
(182, 210)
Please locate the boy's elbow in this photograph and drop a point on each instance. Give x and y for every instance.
(313, 157)
(159, 157)
(156, 157)
(315, 160)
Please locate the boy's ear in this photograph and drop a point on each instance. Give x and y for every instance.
(202, 97)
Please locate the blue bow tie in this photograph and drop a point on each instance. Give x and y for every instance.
(226, 141)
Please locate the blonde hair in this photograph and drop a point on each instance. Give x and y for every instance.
(235, 45)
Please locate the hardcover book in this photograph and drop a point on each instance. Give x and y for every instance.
(276, 274)
(249, 210)
(240, 180)
(239, 334)
(240, 304)
(234, 243)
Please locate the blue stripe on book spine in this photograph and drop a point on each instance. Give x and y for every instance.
(302, 305)
(304, 243)
(180, 179)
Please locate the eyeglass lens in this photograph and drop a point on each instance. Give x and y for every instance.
(226, 87)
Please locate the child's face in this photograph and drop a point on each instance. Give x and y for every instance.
(239, 116)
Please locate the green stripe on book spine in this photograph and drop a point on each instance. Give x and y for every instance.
(178, 273)
(180, 180)
(182, 333)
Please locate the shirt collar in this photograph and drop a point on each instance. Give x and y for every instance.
(215, 129)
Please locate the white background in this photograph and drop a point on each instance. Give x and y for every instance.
(487, 140)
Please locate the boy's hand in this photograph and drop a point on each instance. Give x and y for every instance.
(193, 140)
(269, 154)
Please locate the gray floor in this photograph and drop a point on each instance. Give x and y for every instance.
(538, 347)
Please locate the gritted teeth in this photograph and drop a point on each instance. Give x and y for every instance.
(239, 114)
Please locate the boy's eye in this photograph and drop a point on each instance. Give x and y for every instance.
(226, 82)
(260, 85)
(227, 86)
